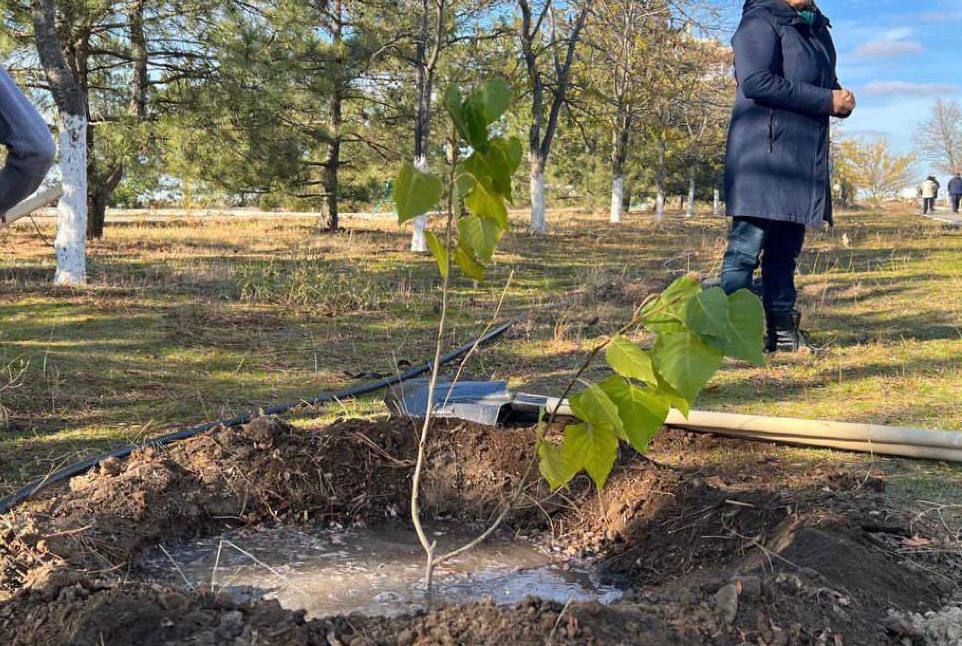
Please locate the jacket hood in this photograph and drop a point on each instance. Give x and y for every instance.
(783, 12)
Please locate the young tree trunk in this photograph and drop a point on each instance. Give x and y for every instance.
(539, 219)
(716, 205)
(691, 193)
(72, 116)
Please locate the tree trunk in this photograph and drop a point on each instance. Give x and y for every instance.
(426, 65)
(102, 186)
(691, 193)
(617, 198)
(138, 47)
(97, 202)
(539, 219)
(331, 186)
(69, 243)
(619, 155)
(332, 163)
(543, 127)
(716, 206)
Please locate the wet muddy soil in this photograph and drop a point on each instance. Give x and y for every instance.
(717, 541)
(369, 570)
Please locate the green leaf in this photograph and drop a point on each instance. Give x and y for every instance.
(440, 252)
(596, 450)
(673, 397)
(593, 407)
(643, 411)
(746, 326)
(513, 151)
(685, 362)
(464, 184)
(630, 361)
(468, 116)
(485, 202)
(706, 314)
(494, 165)
(415, 193)
(665, 314)
(477, 125)
(465, 259)
(495, 96)
(557, 464)
(479, 235)
(582, 448)
(453, 103)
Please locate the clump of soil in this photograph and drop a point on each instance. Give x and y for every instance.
(749, 549)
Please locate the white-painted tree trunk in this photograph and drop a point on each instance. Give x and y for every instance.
(660, 204)
(419, 241)
(617, 198)
(70, 243)
(539, 220)
(691, 196)
(716, 206)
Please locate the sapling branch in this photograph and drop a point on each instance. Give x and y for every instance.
(428, 545)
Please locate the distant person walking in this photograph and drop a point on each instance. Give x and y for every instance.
(955, 191)
(777, 166)
(30, 148)
(929, 190)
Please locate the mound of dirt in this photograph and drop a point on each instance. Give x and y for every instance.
(265, 471)
(750, 549)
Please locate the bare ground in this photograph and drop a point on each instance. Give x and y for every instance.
(757, 548)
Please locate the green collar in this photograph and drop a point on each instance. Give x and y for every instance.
(808, 15)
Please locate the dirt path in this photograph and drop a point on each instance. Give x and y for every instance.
(754, 548)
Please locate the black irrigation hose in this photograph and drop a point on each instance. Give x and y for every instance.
(11, 501)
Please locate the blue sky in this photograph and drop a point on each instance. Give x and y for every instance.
(898, 56)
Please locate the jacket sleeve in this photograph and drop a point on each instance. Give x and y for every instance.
(757, 53)
(30, 148)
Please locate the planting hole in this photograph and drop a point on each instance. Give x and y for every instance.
(371, 571)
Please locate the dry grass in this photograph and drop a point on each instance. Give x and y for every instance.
(188, 319)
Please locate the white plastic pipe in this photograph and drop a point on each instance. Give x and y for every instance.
(817, 430)
(864, 438)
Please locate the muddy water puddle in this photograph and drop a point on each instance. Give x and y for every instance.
(371, 571)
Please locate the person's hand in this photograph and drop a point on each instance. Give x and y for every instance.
(843, 103)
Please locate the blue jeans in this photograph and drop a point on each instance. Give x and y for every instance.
(774, 245)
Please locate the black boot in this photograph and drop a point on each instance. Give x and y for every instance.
(784, 334)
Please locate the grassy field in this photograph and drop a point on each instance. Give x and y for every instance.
(190, 319)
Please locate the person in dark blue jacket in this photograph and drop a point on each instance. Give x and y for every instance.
(777, 176)
(955, 191)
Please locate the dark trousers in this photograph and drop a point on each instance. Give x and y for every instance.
(774, 245)
(928, 205)
(956, 202)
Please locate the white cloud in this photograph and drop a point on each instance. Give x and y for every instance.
(904, 88)
(888, 48)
